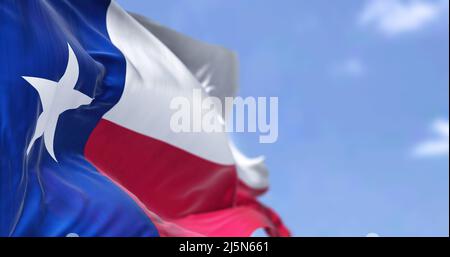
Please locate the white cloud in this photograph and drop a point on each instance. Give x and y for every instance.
(393, 17)
(372, 235)
(352, 67)
(437, 146)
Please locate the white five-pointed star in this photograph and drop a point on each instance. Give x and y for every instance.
(56, 98)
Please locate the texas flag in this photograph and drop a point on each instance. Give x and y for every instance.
(85, 143)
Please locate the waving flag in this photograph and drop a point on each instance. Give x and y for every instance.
(85, 142)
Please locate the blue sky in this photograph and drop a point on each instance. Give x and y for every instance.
(363, 89)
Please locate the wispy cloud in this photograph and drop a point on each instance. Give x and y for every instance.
(437, 146)
(393, 17)
(351, 67)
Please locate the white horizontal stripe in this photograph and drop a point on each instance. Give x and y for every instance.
(252, 171)
(154, 76)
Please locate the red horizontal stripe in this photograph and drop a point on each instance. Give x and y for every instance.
(169, 181)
